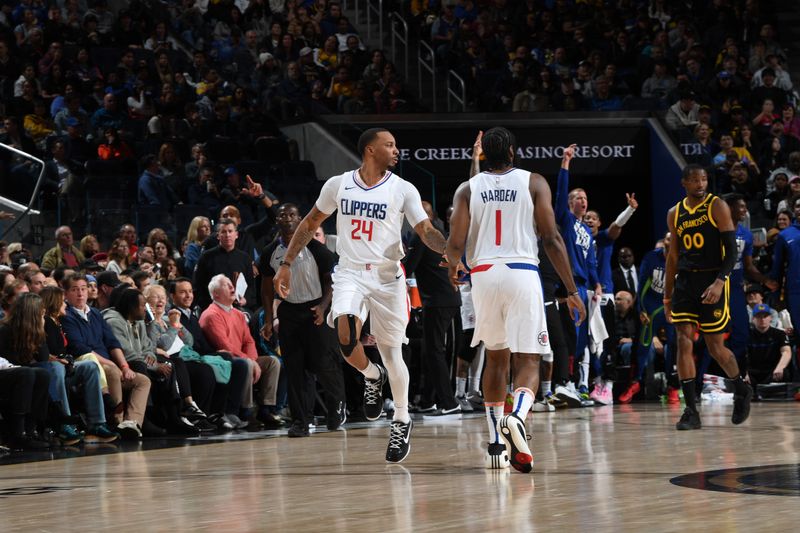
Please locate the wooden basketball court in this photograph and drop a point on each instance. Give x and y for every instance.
(605, 468)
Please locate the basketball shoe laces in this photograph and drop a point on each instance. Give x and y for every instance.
(372, 390)
(396, 435)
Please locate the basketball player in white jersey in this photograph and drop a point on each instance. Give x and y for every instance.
(372, 202)
(497, 216)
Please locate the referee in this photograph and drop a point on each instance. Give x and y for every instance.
(307, 343)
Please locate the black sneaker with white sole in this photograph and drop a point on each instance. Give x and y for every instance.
(512, 433)
(336, 417)
(373, 395)
(496, 457)
(399, 444)
(440, 412)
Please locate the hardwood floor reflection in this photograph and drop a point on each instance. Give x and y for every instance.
(600, 468)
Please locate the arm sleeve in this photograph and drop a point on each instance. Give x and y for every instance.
(327, 197)
(728, 239)
(412, 205)
(161, 339)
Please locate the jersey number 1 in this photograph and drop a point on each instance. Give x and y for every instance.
(361, 227)
(498, 227)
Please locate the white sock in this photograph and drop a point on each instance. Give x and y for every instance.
(494, 411)
(610, 386)
(461, 387)
(371, 371)
(397, 371)
(546, 387)
(584, 382)
(523, 400)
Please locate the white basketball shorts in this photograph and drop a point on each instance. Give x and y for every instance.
(509, 307)
(377, 292)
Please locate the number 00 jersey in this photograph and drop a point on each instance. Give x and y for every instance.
(370, 219)
(501, 218)
(697, 236)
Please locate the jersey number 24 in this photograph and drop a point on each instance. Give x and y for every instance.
(362, 229)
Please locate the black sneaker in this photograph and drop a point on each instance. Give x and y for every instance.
(336, 417)
(741, 406)
(298, 429)
(373, 395)
(690, 420)
(399, 444)
(440, 412)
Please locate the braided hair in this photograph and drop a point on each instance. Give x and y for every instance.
(496, 143)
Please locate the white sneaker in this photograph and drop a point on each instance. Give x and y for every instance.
(543, 406)
(512, 432)
(568, 394)
(129, 430)
(496, 457)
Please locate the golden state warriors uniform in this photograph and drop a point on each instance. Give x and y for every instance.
(700, 257)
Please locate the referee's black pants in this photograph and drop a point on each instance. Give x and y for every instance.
(435, 323)
(308, 349)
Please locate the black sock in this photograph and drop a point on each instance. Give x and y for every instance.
(17, 425)
(739, 386)
(688, 394)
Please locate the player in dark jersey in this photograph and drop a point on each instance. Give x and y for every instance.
(699, 264)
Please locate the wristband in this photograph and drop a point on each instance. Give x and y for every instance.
(666, 300)
(287, 263)
(576, 293)
(261, 196)
(624, 216)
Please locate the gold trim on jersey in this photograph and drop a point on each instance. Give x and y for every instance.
(710, 212)
(692, 210)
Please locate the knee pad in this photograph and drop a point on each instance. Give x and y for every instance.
(348, 347)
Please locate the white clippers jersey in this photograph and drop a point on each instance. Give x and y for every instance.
(370, 219)
(501, 218)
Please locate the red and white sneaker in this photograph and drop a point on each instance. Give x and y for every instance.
(672, 396)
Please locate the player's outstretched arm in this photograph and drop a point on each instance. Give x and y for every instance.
(615, 228)
(672, 265)
(553, 243)
(431, 236)
(562, 186)
(459, 225)
(477, 151)
(302, 236)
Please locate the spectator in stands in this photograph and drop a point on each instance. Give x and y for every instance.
(119, 257)
(226, 329)
(64, 252)
(114, 148)
(153, 188)
(35, 280)
(791, 122)
(660, 84)
(768, 350)
(89, 246)
(603, 100)
(768, 90)
(22, 171)
(228, 396)
(108, 116)
(199, 231)
(225, 259)
(126, 321)
(205, 193)
(65, 373)
(683, 113)
(22, 343)
(88, 333)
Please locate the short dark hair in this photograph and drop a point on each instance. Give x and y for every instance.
(139, 276)
(496, 143)
(174, 285)
(367, 137)
(689, 169)
(226, 221)
(72, 278)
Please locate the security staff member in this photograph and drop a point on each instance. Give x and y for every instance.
(699, 263)
(307, 343)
